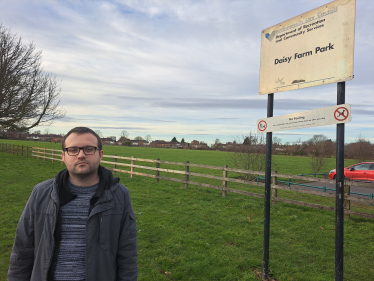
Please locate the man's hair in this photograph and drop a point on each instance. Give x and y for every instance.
(80, 131)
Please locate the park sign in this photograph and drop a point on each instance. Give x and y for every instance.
(312, 118)
(314, 48)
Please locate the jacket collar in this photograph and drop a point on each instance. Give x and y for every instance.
(106, 180)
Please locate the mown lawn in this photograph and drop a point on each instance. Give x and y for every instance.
(197, 234)
(293, 165)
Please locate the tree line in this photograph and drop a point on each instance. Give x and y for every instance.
(248, 151)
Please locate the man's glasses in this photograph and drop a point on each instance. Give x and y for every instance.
(88, 150)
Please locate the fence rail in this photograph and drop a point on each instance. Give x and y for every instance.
(55, 155)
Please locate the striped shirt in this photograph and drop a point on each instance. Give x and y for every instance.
(72, 254)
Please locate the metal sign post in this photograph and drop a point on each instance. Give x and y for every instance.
(312, 49)
(269, 140)
(339, 215)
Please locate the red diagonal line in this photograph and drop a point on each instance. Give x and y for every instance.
(340, 113)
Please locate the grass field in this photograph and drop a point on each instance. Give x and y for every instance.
(283, 164)
(197, 234)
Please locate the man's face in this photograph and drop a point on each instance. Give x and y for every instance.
(82, 166)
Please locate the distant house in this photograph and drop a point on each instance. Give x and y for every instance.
(34, 137)
(108, 140)
(185, 145)
(139, 142)
(55, 138)
(228, 146)
(12, 135)
(197, 145)
(123, 140)
(167, 144)
(44, 137)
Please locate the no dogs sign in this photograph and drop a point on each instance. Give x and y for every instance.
(336, 114)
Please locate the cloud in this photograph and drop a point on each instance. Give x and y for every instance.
(177, 67)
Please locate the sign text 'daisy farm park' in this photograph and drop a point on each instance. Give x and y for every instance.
(312, 49)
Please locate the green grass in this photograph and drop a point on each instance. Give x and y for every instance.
(197, 234)
(293, 165)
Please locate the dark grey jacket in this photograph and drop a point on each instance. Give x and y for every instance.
(111, 251)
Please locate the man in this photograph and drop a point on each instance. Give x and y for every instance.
(79, 225)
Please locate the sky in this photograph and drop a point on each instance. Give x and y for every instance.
(183, 68)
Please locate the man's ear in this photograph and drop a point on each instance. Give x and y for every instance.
(63, 156)
(101, 154)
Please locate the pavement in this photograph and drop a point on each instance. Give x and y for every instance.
(358, 189)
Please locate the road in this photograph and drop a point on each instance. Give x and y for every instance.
(358, 189)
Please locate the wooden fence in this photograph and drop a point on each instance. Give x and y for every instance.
(185, 174)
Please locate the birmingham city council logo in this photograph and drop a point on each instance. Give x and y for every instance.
(270, 36)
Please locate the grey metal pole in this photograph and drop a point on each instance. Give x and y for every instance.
(269, 136)
(339, 215)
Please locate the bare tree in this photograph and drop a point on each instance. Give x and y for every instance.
(28, 96)
(362, 149)
(217, 145)
(297, 148)
(138, 138)
(47, 131)
(148, 138)
(276, 143)
(99, 133)
(124, 134)
(318, 146)
(249, 154)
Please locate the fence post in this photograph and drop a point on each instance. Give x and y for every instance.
(157, 171)
(115, 161)
(274, 190)
(17, 149)
(12, 148)
(132, 166)
(347, 203)
(224, 182)
(22, 150)
(44, 154)
(187, 176)
(53, 154)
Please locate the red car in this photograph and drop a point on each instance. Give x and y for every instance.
(362, 171)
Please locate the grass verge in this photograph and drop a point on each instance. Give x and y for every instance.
(197, 234)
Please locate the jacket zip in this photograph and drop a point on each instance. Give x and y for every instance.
(53, 239)
(52, 250)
